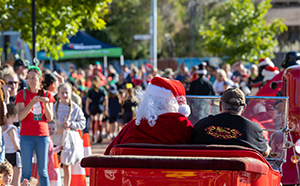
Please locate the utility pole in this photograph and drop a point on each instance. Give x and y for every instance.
(153, 33)
(33, 7)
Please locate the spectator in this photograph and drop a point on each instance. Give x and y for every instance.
(219, 82)
(20, 68)
(12, 148)
(34, 110)
(95, 107)
(168, 73)
(213, 73)
(113, 76)
(51, 83)
(129, 105)
(6, 169)
(11, 88)
(114, 108)
(183, 72)
(227, 68)
(68, 116)
(201, 86)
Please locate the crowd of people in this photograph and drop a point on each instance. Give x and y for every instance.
(42, 107)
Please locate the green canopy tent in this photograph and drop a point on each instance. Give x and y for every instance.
(82, 45)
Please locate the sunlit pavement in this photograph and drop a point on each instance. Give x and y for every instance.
(97, 148)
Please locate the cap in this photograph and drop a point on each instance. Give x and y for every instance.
(233, 96)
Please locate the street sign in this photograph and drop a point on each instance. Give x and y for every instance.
(142, 37)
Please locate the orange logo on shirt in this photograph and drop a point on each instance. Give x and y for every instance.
(222, 133)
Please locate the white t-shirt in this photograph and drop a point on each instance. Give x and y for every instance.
(9, 147)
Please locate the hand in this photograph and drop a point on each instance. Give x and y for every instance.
(25, 182)
(105, 112)
(87, 112)
(36, 99)
(44, 99)
(66, 124)
(6, 91)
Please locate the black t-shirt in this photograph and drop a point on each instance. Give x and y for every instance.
(229, 129)
(201, 87)
(97, 98)
(128, 104)
(22, 84)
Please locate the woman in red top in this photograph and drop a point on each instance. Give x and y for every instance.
(34, 110)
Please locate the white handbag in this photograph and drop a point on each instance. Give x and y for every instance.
(72, 152)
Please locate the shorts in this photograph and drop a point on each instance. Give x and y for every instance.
(113, 118)
(93, 112)
(14, 159)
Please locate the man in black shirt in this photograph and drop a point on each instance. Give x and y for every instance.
(229, 127)
(201, 86)
(20, 68)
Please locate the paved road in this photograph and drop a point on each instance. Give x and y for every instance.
(97, 148)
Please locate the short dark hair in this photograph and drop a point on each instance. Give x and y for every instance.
(11, 110)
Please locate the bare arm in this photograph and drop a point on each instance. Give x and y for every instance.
(24, 111)
(106, 106)
(13, 137)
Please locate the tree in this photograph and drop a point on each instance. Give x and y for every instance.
(243, 34)
(129, 17)
(55, 20)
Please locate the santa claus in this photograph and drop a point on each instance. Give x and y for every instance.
(161, 117)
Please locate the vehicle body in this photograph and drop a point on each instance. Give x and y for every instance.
(149, 164)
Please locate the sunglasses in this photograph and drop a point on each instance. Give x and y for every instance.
(12, 82)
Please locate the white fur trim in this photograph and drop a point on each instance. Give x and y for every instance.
(267, 61)
(184, 110)
(269, 74)
(159, 91)
(201, 71)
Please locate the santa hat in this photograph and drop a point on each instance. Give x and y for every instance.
(269, 72)
(169, 89)
(201, 68)
(265, 61)
(148, 67)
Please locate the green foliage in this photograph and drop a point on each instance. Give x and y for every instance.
(244, 33)
(55, 20)
(129, 17)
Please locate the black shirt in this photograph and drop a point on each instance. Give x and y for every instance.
(201, 87)
(229, 129)
(22, 84)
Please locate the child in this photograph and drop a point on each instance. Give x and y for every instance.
(129, 105)
(51, 171)
(12, 147)
(67, 116)
(6, 169)
(114, 108)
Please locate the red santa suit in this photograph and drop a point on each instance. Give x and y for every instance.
(170, 128)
